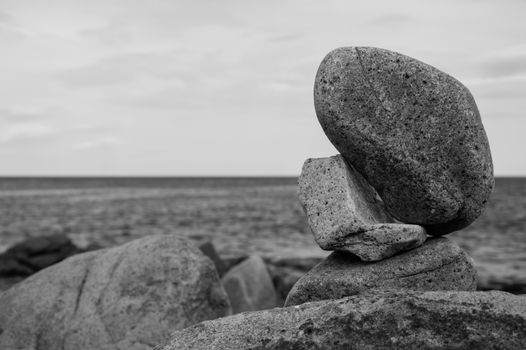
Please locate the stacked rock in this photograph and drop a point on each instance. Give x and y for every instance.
(415, 160)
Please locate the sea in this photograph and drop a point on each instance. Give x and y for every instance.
(240, 216)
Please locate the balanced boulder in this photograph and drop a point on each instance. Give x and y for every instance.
(439, 264)
(412, 131)
(129, 297)
(345, 213)
(373, 320)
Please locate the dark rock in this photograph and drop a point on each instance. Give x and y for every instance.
(411, 130)
(287, 270)
(249, 286)
(302, 263)
(284, 278)
(345, 213)
(34, 254)
(128, 297)
(373, 320)
(209, 250)
(439, 264)
(8, 282)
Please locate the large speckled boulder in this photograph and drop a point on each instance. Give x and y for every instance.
(439, 264)
(345, 213)
(374, 320)
(411, 130)
(129, 297)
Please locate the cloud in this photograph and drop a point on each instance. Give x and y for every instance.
(25, 131)
(124, 68)
(391, 19)
(506, 66)
(284, 37)
(24, 113)
(508, 62)
(5, 17)
(104, 142)
(114, 33)
(507, 87)
(9, 26)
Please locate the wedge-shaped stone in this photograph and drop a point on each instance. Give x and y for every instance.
(345, 213)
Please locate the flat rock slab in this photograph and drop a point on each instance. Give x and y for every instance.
(345, 213)
(129, 297)
(374, 320)
(412, 131)
(249, 286)
(439, 264)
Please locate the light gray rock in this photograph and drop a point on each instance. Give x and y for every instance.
(411, 130)
(439, 264)
(374, 320)
(345, 213)
(249, 286)
(129, 297)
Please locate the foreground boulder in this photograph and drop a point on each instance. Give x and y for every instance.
(128, 297)
(374, 320)
(249, 286)
(412, 131)
(439, 264)
(345, 213)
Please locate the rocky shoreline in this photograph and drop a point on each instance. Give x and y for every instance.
(414, 166)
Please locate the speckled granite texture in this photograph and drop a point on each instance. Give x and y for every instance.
(411, 130)
(439, 264)
(345, 213)
(373, 320)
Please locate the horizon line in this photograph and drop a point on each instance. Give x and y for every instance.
(178, 176)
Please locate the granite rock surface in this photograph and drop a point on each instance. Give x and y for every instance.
(373, 320)
(129, 297)
(411, 130)
(345, 213)
(439, 264)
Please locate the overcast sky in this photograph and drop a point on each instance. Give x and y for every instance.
(171, 87)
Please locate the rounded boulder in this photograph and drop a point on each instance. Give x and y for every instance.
(128, 297)
(411, 130)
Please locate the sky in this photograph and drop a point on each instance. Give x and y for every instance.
(220, 88)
